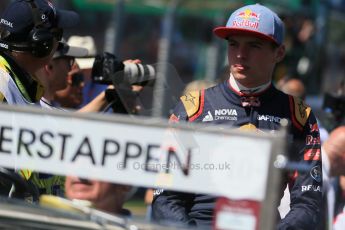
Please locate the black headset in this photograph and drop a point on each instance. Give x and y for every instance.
(40, 41)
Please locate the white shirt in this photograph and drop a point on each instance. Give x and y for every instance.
(46, 104)
(238, 87)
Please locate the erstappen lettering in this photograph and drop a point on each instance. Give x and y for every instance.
(66, 148)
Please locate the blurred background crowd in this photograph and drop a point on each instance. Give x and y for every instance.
(147, 29)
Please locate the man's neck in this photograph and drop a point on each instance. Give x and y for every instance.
(49, 97)
(239, 87)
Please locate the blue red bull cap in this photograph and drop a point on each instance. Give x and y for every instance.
(257, 20)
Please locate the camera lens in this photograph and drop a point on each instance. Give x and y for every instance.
(136, 73)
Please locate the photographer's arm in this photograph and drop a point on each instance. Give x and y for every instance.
(97, 104)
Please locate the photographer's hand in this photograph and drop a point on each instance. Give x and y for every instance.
(134, 61)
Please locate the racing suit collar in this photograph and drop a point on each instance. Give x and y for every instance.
(242, 90)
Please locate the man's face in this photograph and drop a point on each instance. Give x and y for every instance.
(104, 195)
(72, 95)
(60, 67)
(252, 59)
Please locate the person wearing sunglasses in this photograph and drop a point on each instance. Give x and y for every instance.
(54, 76)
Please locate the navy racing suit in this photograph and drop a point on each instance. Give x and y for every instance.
(263, 111)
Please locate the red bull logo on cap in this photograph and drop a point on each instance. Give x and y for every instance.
(247, 18)
(248, 14)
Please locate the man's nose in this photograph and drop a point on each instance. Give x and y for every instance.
(242, 52)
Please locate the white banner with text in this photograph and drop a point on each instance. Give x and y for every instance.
(190, 160)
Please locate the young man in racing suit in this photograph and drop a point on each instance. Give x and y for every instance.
(255, 35)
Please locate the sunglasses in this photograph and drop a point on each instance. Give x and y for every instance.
(77, 78)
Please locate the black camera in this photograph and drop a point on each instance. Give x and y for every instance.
(77, 79)
(107, 69)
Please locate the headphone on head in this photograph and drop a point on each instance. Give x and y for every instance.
(40, 40)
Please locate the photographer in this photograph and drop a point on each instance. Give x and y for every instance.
(90, 89)
(54, 76)
(72, 96)
(121, 95)
(108, 97)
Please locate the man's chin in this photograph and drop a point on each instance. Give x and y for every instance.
(240, 76)
(81, 195)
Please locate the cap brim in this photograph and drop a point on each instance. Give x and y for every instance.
(74, 51)
(225, 32)
(65, 50)
(85, 63)
(67, 18)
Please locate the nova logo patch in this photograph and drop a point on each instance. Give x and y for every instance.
(225, 114)
(208, 117)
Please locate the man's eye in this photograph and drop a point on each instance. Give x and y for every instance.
(254, 45)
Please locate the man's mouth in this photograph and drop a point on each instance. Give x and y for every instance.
(82, 181)
(240, 67)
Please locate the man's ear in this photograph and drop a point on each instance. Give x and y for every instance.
(280, 53)
(48, 67)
